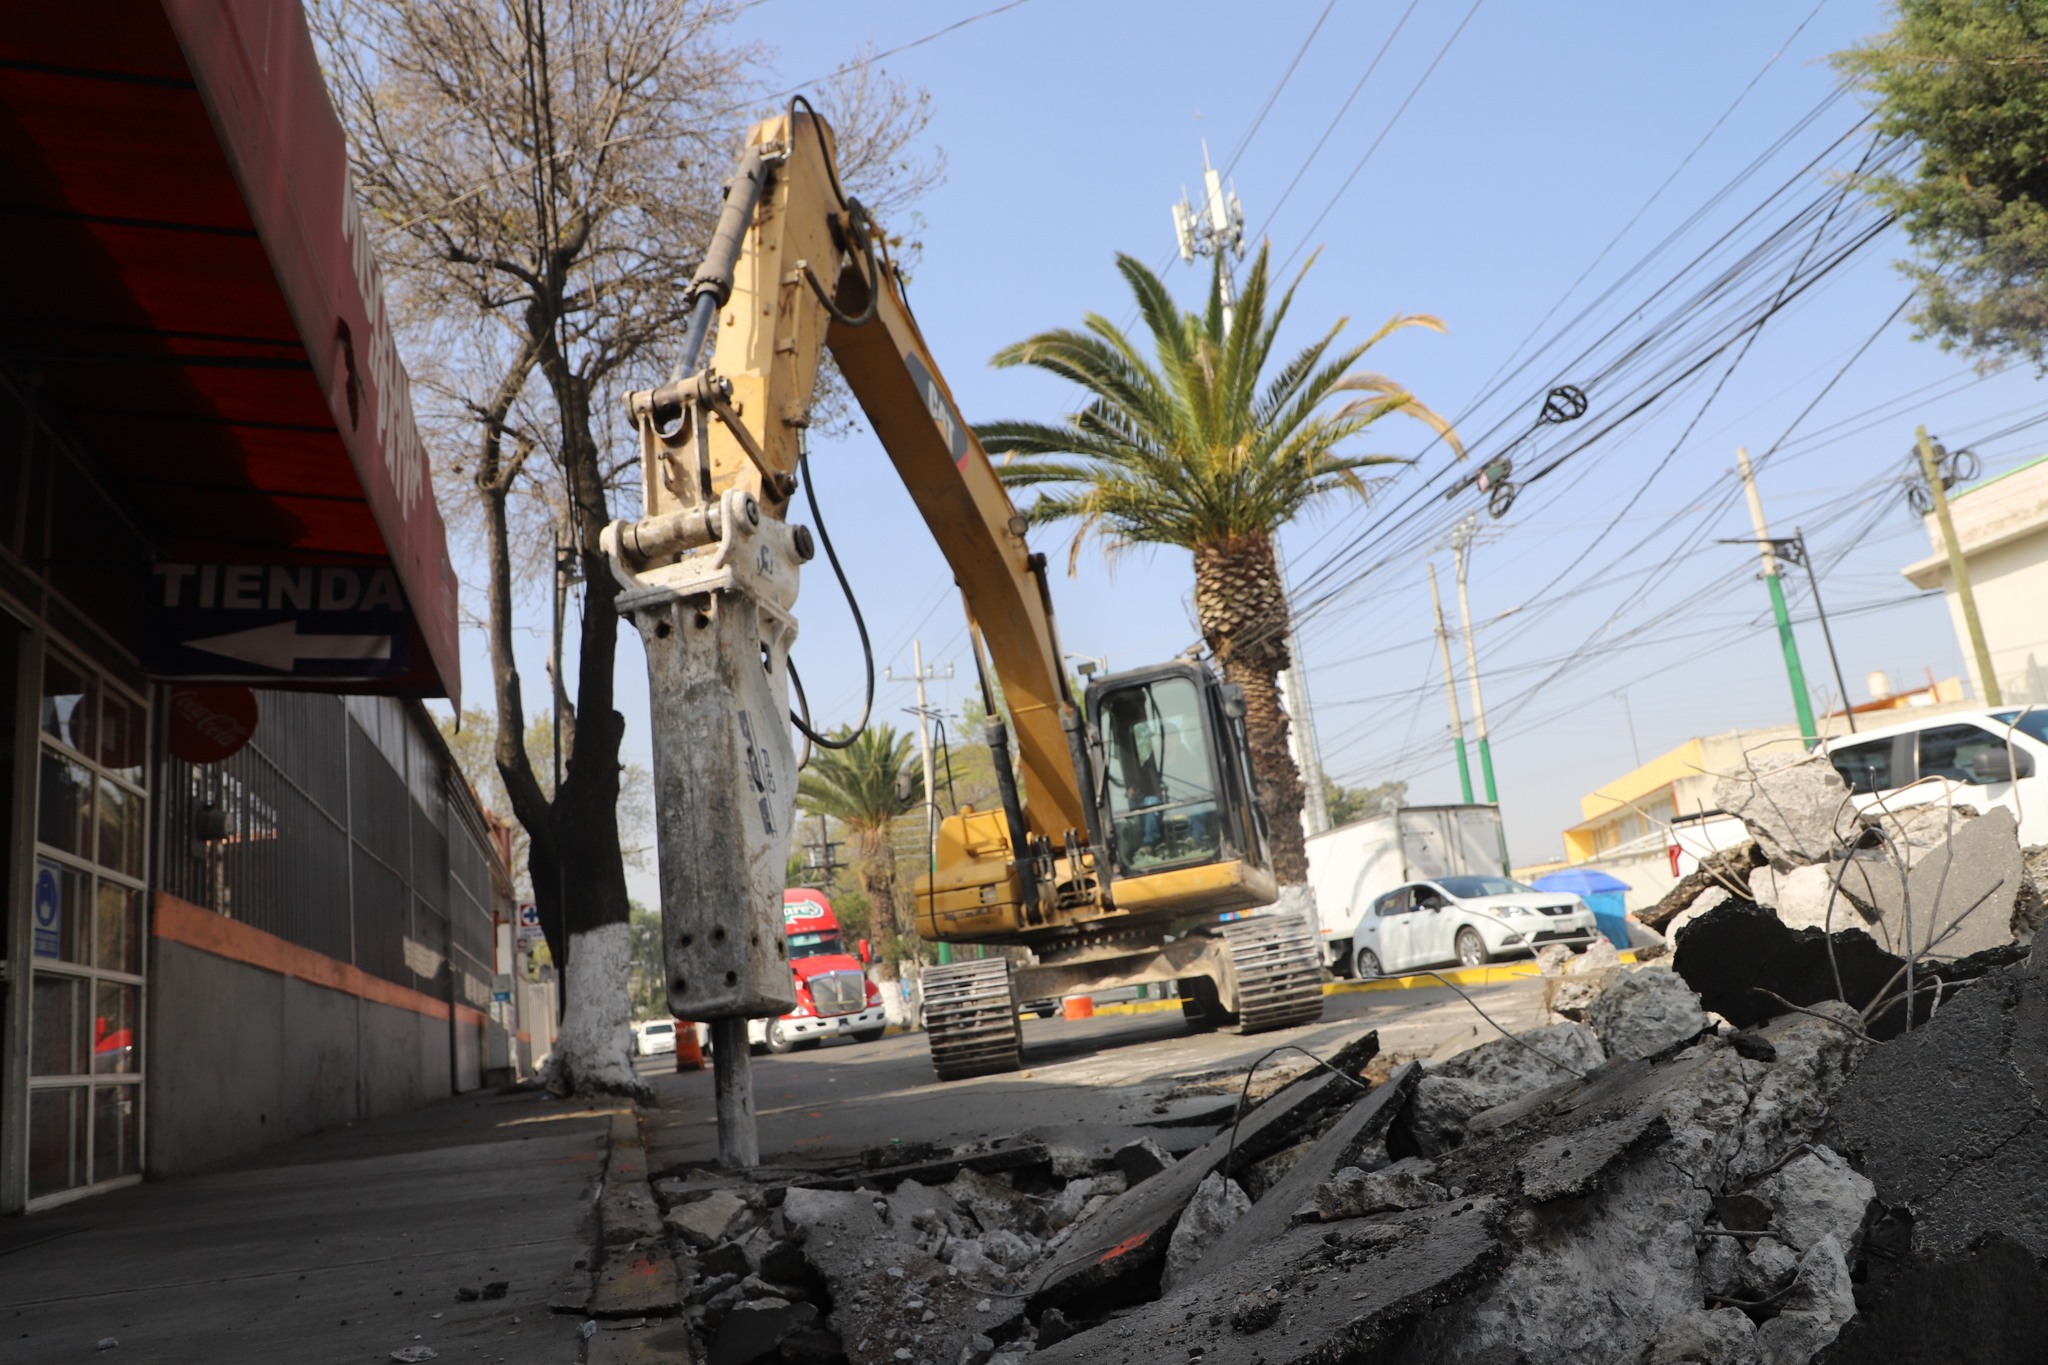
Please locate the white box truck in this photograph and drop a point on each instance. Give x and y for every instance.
(1351, 866)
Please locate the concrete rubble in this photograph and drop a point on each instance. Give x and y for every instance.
(1780, 1145)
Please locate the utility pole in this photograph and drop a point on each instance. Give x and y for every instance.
(921, 674)
(1805, 561)
(1766, 551)
(1958, 571)
(1461, 546)
(1217, 229)
(824, 860)
(1462, 537)
(1443, 645)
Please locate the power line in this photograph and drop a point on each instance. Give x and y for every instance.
(1274, 96)
(1427, 73)
(856, 65)
(1337, 118)
(1757, 256)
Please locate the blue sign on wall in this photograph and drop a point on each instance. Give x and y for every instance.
(249, 622)
(49, 912)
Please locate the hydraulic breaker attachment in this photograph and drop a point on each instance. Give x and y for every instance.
(715, 619)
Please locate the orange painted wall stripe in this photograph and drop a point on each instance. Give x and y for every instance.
(179, 921)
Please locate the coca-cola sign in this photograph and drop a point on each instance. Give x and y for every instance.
(208, 724)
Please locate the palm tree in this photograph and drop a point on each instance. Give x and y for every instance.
(1201, 449)
(858, 787)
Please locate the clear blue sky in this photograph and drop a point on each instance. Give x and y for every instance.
(1070, 129)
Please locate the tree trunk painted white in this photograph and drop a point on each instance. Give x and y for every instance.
(592, 1052)
(895, 1009)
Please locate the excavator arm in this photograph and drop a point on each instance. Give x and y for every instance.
(709, 576)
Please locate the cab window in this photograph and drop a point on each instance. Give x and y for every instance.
(1866, 767)
(1162, 791)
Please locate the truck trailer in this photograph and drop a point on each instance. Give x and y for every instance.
(1352, 865)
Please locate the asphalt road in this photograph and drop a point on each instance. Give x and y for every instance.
(843, 1097)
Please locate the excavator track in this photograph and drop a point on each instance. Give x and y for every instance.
(970, 1018)
(1279, 970)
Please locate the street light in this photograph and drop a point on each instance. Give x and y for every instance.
(1792, 549)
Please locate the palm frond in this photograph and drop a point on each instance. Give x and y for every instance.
(1205, 440)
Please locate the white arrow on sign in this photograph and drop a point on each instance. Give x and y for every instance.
(280, 645)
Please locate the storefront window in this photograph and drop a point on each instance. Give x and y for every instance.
(56, 1141)
(120, 812)
(56, 1041)
(86, 990)
(68, 698)
(64, 804)
(114, 1149)
(116, 944)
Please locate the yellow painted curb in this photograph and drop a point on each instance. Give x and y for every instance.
(1491, 974)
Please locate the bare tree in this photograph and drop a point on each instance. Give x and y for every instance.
(539, 179)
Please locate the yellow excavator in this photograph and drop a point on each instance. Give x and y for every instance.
(1127, 848)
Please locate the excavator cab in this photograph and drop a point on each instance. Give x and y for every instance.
(1173, 775)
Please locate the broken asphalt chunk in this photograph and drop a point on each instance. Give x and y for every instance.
(1946, 1120)
(1127, 1238)
(1363, 1123)
(1343, 1291)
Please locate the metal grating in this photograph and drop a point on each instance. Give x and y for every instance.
(312, 834)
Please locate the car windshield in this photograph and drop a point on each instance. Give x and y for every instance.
(660, 1028)
(815, 945)
(1463, 887)
(2033, 724)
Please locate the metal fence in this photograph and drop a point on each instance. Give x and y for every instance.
(345, 829)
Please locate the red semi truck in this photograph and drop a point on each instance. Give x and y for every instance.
(834, 998)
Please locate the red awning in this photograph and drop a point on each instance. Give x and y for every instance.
(187, 280)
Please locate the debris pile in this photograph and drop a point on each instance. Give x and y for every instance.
(1797, 1139)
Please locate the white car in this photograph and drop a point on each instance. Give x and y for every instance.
(1978, 758)
(653, 1037)
(1467, 921)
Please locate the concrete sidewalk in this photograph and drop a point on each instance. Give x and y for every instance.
(345, 1246)
(351, 1245)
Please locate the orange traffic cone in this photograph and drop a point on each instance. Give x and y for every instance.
(689, 1057)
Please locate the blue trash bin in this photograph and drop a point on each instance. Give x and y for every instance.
(1605, 895)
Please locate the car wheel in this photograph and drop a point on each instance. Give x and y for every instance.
(1471, 948)
(1047, 1012)
(779, 1042)
(872, 1035)
(1368, 963)
(810, 1045)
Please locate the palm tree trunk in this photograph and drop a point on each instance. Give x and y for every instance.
(1242, 610)
(878, 881)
